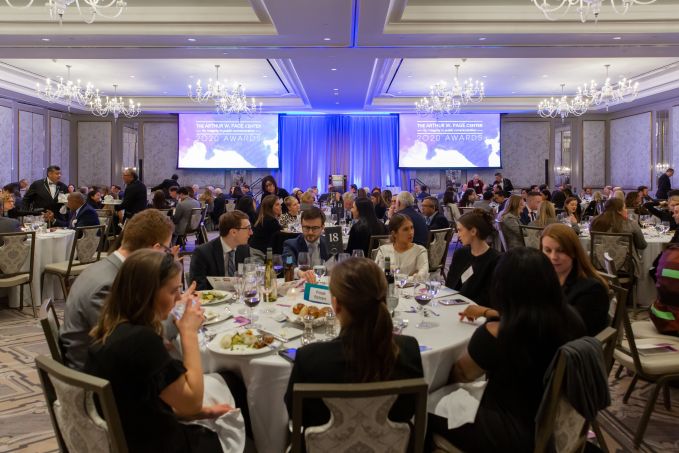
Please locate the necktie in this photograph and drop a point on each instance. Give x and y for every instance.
(428, 221)
(532, 216)
(231, 263)
(313, 255)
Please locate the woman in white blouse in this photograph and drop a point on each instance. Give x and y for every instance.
(406, 256)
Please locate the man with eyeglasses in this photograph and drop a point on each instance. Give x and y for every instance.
(220, 257)
(430, 210)
(310, 241)
(149, 229)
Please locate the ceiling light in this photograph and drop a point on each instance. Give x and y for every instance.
(333, 69)
(191, 39)
(66, 90)
(326, 39)
(336, 89)
(46, 39)
(88, 9)
(610, 94)
(617, 37)
(443, 101)
(585, 8)
(132, 77)
(114, 106)
(227, 100)
(336, 93)
(336, 102)
(265, 76)
(482, 39)
(544, 76)
(563, 106)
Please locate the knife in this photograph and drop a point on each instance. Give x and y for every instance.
(276, 336)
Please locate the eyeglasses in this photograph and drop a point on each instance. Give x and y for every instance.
(166, 248)
(249, 227)
(310, 228)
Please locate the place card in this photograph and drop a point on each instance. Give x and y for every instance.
(317, 293)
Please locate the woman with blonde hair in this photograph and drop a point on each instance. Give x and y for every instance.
(509, 222)
(290, 218)
(306, 200)
(546, 215)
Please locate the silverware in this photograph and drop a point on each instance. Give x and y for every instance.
(429, 310)
(277, 337)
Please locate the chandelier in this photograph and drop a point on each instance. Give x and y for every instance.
(89, 9)
(555, 107)
(610, 94)
(227, 100)
(114, 106)
(585, 8)
(442, 100)
(67, 91)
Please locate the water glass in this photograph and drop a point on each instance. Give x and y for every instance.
(319, 270)
(665, 226)
(308, 336)
(343, 257)
(433, 286)
(330, 325)
(358, 253)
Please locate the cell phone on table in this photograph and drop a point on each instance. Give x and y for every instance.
(453, 301)
(288, 354)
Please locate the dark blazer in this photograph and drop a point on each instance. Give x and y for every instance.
(218, 208)
(438, 221)
(590, 299)
(664, 186)
(324, 363)
(134, 200)
(38, 196)
(165, 185)
(663, 214)
(507, 185)
(477, 286)
(420, 225)
(292, 247)
(524, 218)
(208, 261)
(263, 234)
(359, 236)
(8, 225)
(86, 217)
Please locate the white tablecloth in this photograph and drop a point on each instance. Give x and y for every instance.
(646, 291)
(266, 377)
(49, 248)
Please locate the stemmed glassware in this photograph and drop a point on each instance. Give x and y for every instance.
(358, 253)
(434, 285)
(423, 296)
(303, 261)
(251, 295)
(319, 269)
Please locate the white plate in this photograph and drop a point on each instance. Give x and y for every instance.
(242, 350)
(297, 319)
(220, 297)
(222, 314)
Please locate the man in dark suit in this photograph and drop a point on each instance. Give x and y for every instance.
(430, 210)
(220, 257)
(664, 184)
(404, 205)
(80, 214)
(310, 241)
(530, 212)
(504, 183)
(135, 198)
(44, 193)
(166, 184)
(219, 206)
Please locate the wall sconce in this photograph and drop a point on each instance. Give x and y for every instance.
(661, 168)
(564, 171)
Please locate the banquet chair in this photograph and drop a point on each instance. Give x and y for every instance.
(501, 236)
(15, 250)
(531, 235)
(437, 250)
(86, 249)
(70, 397)
(359, 417)
(619, 247)
(50, 327)
(660, 368)
(464, 210)
(279, 238)
(105, 218)
(193, 227)
(375, 242)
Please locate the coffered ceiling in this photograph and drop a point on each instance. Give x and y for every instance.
(339, 55)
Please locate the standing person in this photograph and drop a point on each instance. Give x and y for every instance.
(166, 184)
(367, 225)
(504, 184)
(476, 184)
(44, 193)
(664, 184)
(219, 206)
(134, 198)
(270, 187)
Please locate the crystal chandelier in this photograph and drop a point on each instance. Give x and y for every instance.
(213, 90)
(555, 107)
(67, 91)
(89, 9)
(227, 101)
(585, 8)
(443, 101)
(114, 106)
(610, 94)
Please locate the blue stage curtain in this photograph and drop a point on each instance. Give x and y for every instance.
(363, 147)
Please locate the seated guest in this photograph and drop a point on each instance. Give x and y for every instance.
(310, 241)
(70, 188)
(290, 218)
(183, 212)
(476, 184)
(430, 210)
(570, 214)
(172, 196)
(220, 257)
(386, 197)
(306, 200)
(508, 222)
(546, 195)
(584, 288)
(80, 214)
(245, 189)
(266, 224)
(159, 201)
(484, 203)
(514, 355)
(408, 257)
(367, 225)
(150, 229)
(153, 391)
(634, 206)
(379, 205)
(614, 220)
(596, 206)
(359, 292)
(473, 264)
(546, 215)
(645, 197)
(94, 199)
(8, 225)
(219, 206)
(361, 193)
(270, 187)
(404, 205)
(468, 198)
(586, 194)
(348, 202)
(116, 192)
(207, 199)
(530, 212)
(452, 212)
(247, 205)
(500, 200)
(423, 193)
(662, 214)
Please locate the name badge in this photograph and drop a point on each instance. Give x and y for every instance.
(317, 293)
(466, 274)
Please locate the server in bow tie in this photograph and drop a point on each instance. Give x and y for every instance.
(44, 193)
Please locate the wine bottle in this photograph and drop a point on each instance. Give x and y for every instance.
(270, 277)
(289, 272)
(389, 275)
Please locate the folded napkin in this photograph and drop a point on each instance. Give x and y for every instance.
(457, 402)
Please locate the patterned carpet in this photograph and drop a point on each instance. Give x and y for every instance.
(25, 425)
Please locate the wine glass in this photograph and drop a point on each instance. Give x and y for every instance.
(333, 219)
(423, 297)
(358, 253)
(251, 296)
(303, 261)
(434, 285)
(401, 279)
(319, 270)
(277, 264)
(343, 257)
(665, 226)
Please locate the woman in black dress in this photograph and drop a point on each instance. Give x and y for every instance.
(359, 291)
(269, 187)
(366, 226)
(267, 223)
(513, 354)
(152, 390)
(247, 205)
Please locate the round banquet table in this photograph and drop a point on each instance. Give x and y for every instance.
(266, 376)
(52, 247)
(646, 291)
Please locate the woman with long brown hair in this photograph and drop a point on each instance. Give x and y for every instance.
(509, 222)
(267, 223)
(152, 390)
(614, 220)
(366, 349)
(404, 254)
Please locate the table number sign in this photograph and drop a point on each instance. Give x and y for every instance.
(334, 236)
